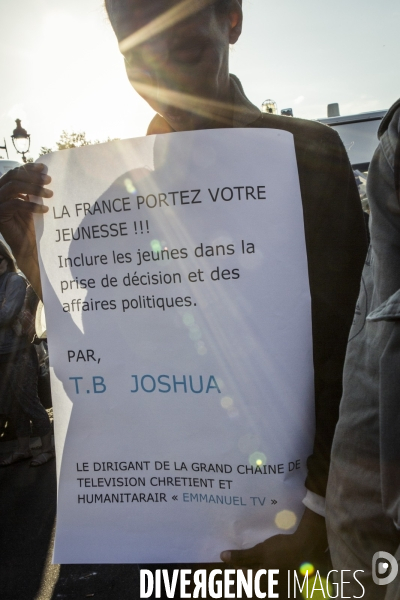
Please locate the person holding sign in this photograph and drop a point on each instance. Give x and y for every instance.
(18, 368)
(177, 58)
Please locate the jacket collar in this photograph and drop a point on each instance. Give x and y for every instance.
(244, 112)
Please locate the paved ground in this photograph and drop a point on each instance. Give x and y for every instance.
(27, 520)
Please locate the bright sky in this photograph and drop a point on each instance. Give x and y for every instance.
(60, 67)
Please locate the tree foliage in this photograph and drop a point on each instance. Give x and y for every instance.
(44, 150)
(71, 139)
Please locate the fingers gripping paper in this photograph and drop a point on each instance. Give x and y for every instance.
(177, 301)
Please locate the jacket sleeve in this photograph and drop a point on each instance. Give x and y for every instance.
(336, 248)
(13, 300)
(336, 241)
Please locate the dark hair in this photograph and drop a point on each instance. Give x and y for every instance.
(8, 256)
(224, 5)
(117, 11)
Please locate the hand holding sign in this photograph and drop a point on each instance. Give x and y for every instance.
(16, 215)
(286, 552)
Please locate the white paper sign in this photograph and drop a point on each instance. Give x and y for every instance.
(175, 282)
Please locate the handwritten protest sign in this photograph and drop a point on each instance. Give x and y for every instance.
(175, 282)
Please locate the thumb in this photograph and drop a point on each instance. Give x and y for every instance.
(241, 558)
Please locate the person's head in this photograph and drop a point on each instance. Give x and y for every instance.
(6, 260)
(176, 54)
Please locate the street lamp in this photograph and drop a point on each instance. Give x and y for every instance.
(269, 106)
(21, 139)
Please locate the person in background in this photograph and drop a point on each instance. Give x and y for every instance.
(19, 370)
(363, 500)
(177, 59)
